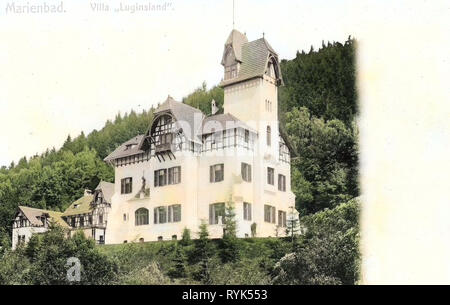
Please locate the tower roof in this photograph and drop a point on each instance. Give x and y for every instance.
(236, 39)
(255, 56)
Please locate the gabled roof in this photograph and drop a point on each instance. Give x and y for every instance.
(185, 116)
(81, 206)
(220, 122)
(129, 148)
(107, 189)
(255, 57)
(236, 39)
(34, 215)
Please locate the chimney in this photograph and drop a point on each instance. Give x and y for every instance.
(214, 108)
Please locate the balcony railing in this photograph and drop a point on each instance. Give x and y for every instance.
(163, 148)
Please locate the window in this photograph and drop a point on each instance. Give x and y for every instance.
(246, 136)
(269, 213)
(268, 106)
(270, 70)
(282, 183)
(175, 175)
(270, 176)
(174, 237)
(216, 173)
(90, 220)
(160, 238)
(141, 240)
(73, 223)
(100, 218)
(160, 177)
(282, 219)
(247, 211)
(174, 213)
(160, 215)
(81, 221)
(233, 71)
(99, 198)
(124, 217)
(141, 217)
(216, 213)
(165, 139)
(269, 136)
(246, 172)
(126, 186)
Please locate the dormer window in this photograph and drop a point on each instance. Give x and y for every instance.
(99, 198)
(231, 71)
(130, 146)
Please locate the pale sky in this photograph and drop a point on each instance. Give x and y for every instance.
(65, 73)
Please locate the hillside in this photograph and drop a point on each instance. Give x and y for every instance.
(317, 109)
(327, 253)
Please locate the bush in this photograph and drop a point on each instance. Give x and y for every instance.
(44, 261)
(328, 253)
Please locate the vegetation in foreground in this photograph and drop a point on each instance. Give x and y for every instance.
(317, 107)
(326, 253)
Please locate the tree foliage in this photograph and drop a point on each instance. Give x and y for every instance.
(328, 252)
(43, 261)
(201, 98)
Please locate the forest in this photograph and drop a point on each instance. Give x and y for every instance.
(318, 111)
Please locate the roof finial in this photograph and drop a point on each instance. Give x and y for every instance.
(264, 34)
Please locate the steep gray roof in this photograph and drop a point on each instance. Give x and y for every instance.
(220, 122)
(188, 118)
(129, 148)
(236, 39)
(255, 56)
(107, 189)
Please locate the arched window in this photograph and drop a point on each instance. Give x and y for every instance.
(162, 130)
(99, 198)
(270, 70)
(141, 217)
(269, 136)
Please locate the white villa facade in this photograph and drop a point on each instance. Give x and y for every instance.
(188, 166)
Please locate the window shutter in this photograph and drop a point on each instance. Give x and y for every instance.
(156, 178)
(211, 216)
(211, 174)
(155, 215)
(249, 211)
(249, 173)
(243, 171)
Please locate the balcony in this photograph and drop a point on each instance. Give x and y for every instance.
(161, 148)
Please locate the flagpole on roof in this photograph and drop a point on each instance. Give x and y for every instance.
(233, 14)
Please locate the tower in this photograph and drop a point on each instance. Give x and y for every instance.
(251, 79)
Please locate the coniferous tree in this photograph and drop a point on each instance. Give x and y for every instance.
(230, 244)
(178, 269)
(203, 253)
